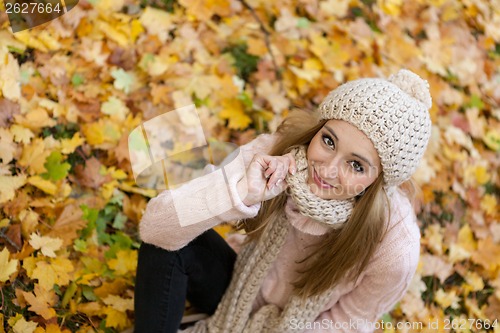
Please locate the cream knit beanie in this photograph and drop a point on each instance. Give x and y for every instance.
(394, 115)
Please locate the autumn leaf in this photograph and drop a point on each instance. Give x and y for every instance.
(125, 262)
(9, 186)
(41, 301)
(7, 267)
(56, 169)
(47, 245)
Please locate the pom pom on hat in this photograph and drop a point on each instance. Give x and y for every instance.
(413, 85)
(393, 113)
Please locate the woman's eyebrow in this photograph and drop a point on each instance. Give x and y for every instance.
(332, 132)
(362, 158)
(353, 154)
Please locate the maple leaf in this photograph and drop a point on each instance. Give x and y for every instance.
(9, 76)
(46, 244)
(93, 174)
(115, 108)
(9, 110)
(487, 254)
(123, 80)
(41, 301)
(7, 146)
(9, 186)
(116, 311)
(24, 326)
(204, 9)
(125, 262)
(56, 170)
(7, 267)
(55, 271)
(69, 222)
(233, 111)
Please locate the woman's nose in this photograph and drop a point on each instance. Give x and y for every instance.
(333, 168)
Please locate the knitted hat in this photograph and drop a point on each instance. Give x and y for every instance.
(394, 115)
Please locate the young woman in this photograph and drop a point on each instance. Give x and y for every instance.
(331, 238)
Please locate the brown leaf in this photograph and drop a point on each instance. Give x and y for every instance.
(7, 111)
(67, 224)
(121, 150)
(89, 176)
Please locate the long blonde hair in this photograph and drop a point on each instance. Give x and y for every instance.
(345, 252)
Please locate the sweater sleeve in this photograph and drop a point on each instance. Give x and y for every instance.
(360, 309)
(177, 216)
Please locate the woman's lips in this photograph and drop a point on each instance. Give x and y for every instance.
(320, 182)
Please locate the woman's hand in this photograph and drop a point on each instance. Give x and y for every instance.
(265, 177)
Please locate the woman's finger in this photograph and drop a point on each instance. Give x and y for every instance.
(280, 172)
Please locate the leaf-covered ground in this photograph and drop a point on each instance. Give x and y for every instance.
(72, 90)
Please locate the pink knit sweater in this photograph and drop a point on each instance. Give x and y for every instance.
(211, 200)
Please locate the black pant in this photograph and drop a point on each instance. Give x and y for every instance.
(200, 272)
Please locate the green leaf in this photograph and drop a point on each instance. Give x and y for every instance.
(76, 79)
(123, 80)
(475, 101)
(80, 246)
(88, 293)
(119, 221)
(245, 99)
(56, 169)
(303, 22)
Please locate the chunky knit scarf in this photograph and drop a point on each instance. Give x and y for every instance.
(233, 315)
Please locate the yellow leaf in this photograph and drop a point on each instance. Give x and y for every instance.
(36, 119)
(391, 7)
(34, 156)
(466, 238)
(136, 29)
(7, 267)
(29, 264)
(51, 328)
(256, 46)
(112, 33)
(23, 326)
(115, 108)
(116, 315)
(125, 262)
(489, 204)
(7, 146)
(102, 133)
(49, 41)
(474, 281)
(157, 22)
(118, 303)
(447, 299)
(492, 140)
(53, 272)
(9, 76)
(204, 9)
(68, 146)
(233, 111)
(41, 301)
(44, 185)
(47, 244)
(21, 134)
(116, 319)
(9, 186)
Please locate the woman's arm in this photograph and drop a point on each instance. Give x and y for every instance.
(177, 216)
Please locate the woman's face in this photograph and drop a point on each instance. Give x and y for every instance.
(342, 161)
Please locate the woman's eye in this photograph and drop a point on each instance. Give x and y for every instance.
(328, 141)
(356, 166)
